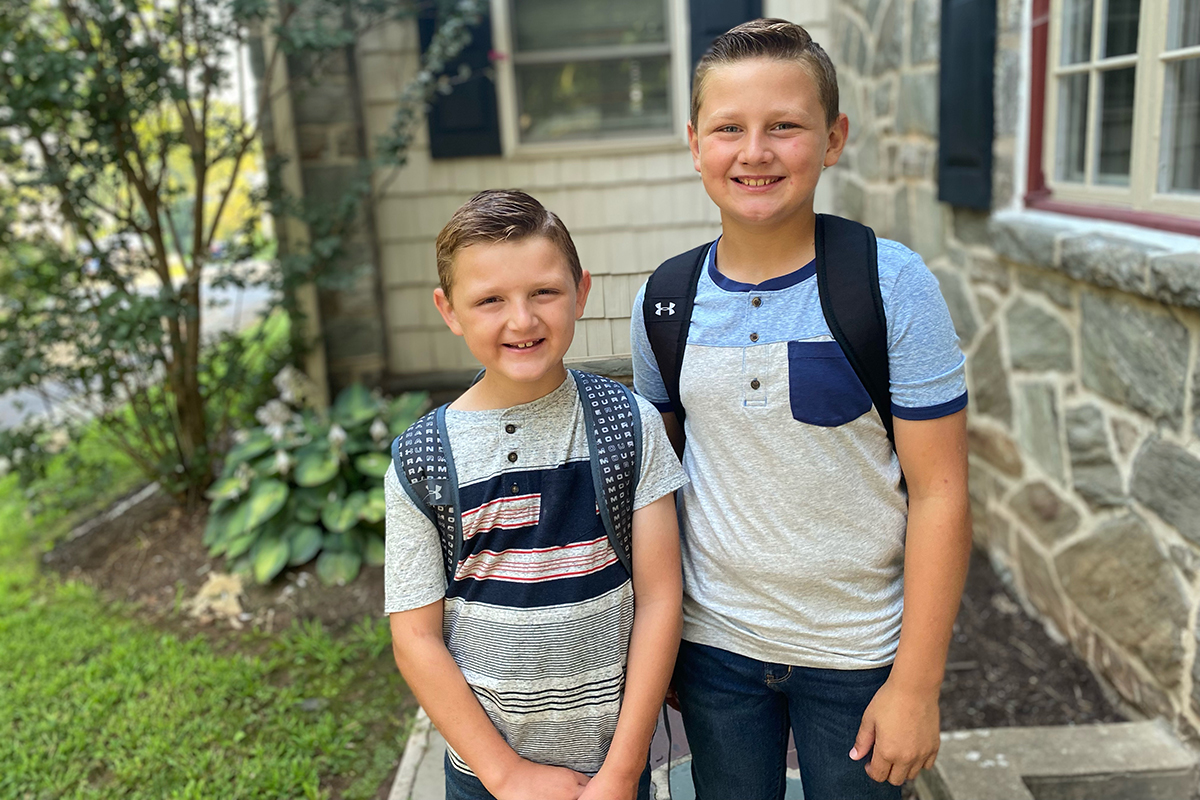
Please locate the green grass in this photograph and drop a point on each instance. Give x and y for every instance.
(98, 706)
(96, 703)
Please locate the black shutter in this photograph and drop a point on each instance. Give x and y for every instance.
(711, 18)
(465, 122)
(966, 103)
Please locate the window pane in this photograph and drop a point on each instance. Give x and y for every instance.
(1184, 26)
(593, 99)
(548, 25)
(1077, 31)
(1072, 127)
(1115, 136)
(1181, 125)
(1121, 27)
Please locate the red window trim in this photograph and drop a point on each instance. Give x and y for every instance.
(1038, 194)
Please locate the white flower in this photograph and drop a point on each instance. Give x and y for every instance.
(337, 435)
(293, 385)
(5, 466)
(18, 455)
(379, 430)
(275, 412)
(283, 462)
(240, 436)
(244, 473)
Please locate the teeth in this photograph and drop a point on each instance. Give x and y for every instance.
(523, 346)
(757, 181)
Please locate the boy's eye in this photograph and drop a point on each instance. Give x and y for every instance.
(727, 129)
(487, 300)
(547, 291)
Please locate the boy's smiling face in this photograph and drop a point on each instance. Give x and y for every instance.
(761, 140)
(515, 303)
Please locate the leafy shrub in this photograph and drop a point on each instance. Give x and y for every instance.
(306, 485)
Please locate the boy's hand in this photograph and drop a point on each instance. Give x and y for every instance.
(527, 779)
(902, 726)
(608, 785)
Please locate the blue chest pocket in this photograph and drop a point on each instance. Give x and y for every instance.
(822, 386)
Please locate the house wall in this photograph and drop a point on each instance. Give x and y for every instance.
(627, 209)
(1082, 341)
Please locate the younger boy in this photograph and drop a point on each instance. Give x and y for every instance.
(542, 661)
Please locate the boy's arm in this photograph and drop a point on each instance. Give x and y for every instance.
(440, 688)
(902, 721)
(657, 624)
(674, 432)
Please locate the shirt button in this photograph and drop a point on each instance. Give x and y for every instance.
(756, 302)
(512, 457)
(510, 428)
(754, 384)
(754, 337)
(515, 489)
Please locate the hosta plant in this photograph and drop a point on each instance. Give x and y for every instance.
(308, 485)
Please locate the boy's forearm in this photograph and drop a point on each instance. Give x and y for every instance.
(439, 686)
(937, 551)
(652, 650)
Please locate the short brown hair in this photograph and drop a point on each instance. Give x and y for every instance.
(501, 215)
(775, 39)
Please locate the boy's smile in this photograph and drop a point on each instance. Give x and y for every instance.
(761, 141)
(515, 303)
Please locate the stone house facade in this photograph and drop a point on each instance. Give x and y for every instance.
(1081, 323)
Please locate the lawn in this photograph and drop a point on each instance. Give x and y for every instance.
(99, 701)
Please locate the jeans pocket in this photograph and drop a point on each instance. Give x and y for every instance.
(822, 386)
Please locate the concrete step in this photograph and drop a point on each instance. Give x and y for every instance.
(1122, 761)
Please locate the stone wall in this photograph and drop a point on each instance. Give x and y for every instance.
(1082, 343)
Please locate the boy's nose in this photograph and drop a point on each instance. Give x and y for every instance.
(520, 316)
(755, 149)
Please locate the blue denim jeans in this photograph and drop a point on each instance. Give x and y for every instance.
(460, 786)
(737, 712)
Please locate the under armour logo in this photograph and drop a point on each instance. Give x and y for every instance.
(660, 309)
(435, 493)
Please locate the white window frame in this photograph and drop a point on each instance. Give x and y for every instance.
(1152, 60)
(506, 93)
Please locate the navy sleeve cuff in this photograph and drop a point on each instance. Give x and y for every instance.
(664, 407)
(931, 412)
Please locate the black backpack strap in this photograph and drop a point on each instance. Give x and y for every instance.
(667, 314)
(425, 466)
(848, 282)
(614, 432)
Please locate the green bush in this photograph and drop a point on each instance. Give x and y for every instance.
(305, 485)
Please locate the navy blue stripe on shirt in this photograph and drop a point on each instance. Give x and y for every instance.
(931, 412)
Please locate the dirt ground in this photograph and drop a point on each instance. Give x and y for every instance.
(1003, 669)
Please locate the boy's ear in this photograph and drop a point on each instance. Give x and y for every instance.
(694, 145)
(447, 311)
(581, 292)
(839, 133)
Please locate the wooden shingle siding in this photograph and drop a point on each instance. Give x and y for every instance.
(627, 212)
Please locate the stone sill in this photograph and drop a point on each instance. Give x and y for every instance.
(1161, 266)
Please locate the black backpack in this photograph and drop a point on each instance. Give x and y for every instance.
(850, 300)
(425, 466)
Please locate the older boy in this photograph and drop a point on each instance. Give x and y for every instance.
(542, 661)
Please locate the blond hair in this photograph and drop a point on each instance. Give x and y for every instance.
(775, 39)
(501, 215)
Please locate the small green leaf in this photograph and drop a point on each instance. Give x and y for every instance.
(214, 529)
(304, 542)
(240, 544)
(266, 498)
(307, 513)
(271, 558)
(405, 410)
(316, 468)
(354, 406)
(374, 465)
(339, 517)
(233, 526)
(375, 508)
(373, 551)
(258, 443)
(338, 568)
(224, 489)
